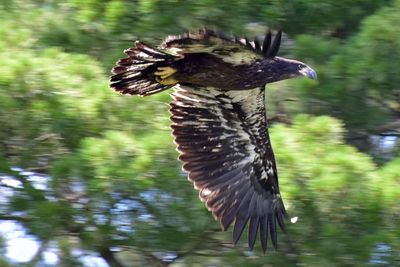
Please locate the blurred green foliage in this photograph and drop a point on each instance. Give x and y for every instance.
(113, 184)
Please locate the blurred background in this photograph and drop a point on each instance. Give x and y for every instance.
(90, 178)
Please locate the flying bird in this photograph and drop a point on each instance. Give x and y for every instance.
(219, 119)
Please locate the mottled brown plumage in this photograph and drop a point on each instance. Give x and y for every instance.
(200, 69)
(219, 120)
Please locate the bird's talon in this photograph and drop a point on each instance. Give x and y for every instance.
(165, 71)
(163, 75)
(167, 81)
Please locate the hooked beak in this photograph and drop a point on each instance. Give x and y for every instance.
(308, 72)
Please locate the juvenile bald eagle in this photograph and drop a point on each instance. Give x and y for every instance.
(219, 120)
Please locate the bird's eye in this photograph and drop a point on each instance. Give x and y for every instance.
(300, 66)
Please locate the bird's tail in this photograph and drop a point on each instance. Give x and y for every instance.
(134, 74)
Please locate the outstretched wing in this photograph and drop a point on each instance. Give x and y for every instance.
(223, 141)
(230, 49)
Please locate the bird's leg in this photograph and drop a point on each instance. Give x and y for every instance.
(163, 75)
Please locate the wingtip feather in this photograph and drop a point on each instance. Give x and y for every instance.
(253, 229)
(272, 230)
(238, 228)
(264, 232)
(273, 51)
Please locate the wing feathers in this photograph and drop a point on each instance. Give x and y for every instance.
(264, 232)
(272, 229)
(222, 138)
(234, 205)
(226, 176)
(253, 228)
(238, 228)
(266, 43)
(215, 42)
(280, 215)
(275, 45)
(257, 45)
(134, 74)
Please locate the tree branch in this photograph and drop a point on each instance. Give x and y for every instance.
(5, 217)
(108, 256)
(151, 259)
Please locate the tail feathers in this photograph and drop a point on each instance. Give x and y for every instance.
(134, 74)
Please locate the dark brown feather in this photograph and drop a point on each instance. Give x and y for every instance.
(272, 229)
(275, 45)
(257, 45)
(264, 232)
(266, 43)
(253, 228)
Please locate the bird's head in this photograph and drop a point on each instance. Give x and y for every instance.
(273, 68)
(279, 68)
